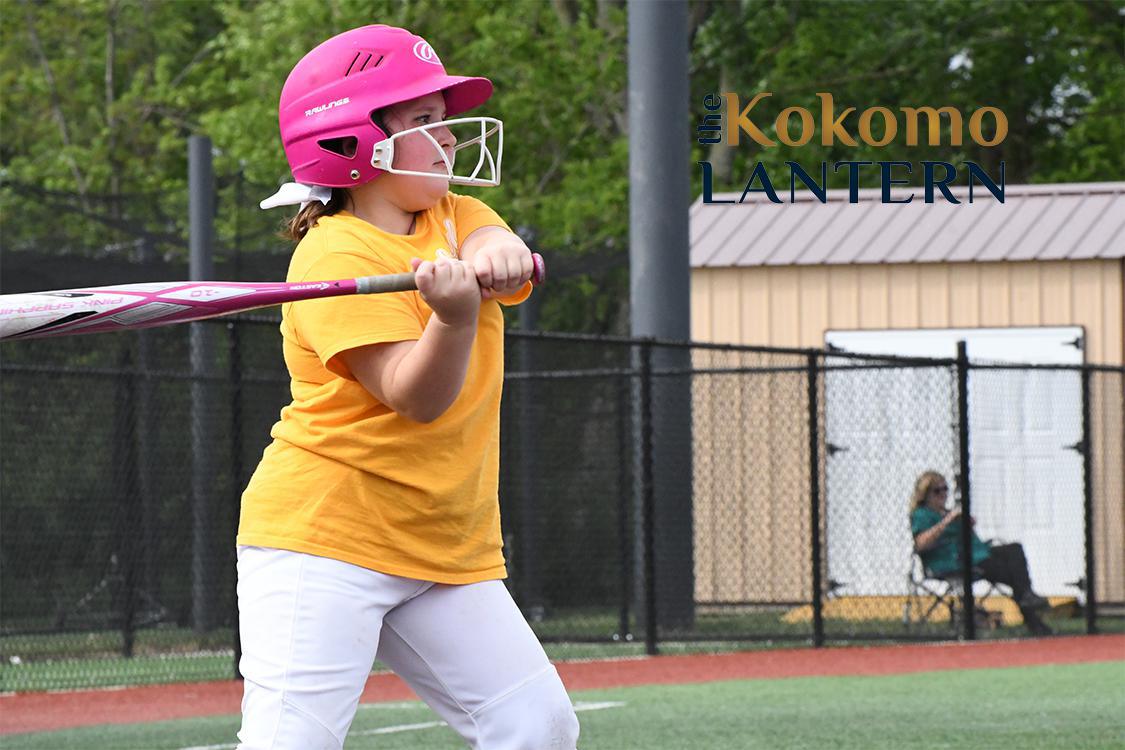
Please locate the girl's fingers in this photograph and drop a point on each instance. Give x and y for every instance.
(423, 275)
(484, 270)
(502, 272)
(515, 270)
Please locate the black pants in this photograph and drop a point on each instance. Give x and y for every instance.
(1008, 565)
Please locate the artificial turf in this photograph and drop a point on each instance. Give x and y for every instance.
(1077, 707)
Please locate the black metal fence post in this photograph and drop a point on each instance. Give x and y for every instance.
(145, 450)
(204, 459)
(814, 499)
(648, 504)
(234, 342)
(529, 549)
(624, 493)
(125, 469)
(1088, 508)
(968, 604)
(234, 356)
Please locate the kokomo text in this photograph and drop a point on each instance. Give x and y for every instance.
(730, 122)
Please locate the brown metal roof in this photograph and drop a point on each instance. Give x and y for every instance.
(1036, 222)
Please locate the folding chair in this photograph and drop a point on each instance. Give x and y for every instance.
(929, 593)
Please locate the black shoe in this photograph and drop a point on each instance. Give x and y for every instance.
(1031, 600)
(1038, 628)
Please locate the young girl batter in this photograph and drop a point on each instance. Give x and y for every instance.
(371, 527)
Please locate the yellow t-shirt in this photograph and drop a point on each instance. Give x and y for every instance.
(345, 476)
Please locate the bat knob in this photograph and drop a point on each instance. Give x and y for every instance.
(539, 272)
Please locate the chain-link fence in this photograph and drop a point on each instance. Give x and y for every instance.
(117, 523)
(654, 496)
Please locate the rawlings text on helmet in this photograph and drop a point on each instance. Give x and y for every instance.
(329, 105)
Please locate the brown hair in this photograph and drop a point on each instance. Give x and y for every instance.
(297, 227)
(922, 487)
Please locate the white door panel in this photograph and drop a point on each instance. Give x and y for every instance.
(890, 425)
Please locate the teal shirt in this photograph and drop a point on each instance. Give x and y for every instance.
(945, 556)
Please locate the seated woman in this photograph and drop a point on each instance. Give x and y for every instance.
(937, 539)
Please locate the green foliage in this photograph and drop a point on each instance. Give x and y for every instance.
(1054, 68)
(98, 97)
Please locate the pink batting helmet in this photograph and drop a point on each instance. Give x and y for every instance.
(328, 99)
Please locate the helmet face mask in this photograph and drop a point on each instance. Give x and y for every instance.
(485, 172)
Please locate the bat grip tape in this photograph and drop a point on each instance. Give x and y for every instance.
(395, 282)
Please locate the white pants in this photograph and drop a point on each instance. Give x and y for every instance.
(311, 627)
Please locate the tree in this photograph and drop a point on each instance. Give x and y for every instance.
(1054, 68)
(92, 139)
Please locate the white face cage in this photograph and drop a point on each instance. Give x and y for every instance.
(384, 153)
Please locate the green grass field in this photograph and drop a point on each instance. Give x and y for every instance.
(1074, 707)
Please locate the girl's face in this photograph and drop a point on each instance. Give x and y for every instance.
(416, 153)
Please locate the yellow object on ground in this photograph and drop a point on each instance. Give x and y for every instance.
(893, 607)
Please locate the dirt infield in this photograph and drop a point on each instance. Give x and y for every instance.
(31, 712)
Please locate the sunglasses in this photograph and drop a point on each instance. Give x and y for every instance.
(939, 490)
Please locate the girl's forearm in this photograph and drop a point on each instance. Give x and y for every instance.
(425, 382)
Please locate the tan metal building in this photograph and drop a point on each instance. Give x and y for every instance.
(787, 274)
